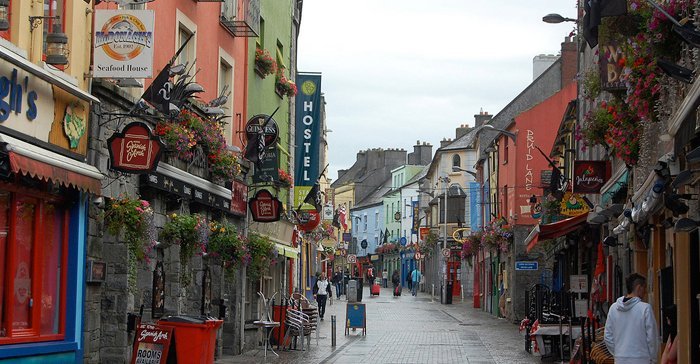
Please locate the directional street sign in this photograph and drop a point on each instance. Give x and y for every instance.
(446, 252)
(352, 258)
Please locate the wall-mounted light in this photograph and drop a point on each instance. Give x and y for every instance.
(675, 71)
(57, 47)
(4, 15)
(685, 225)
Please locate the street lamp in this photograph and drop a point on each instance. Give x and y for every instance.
(556, 19)
(458, 169)
(507, 133)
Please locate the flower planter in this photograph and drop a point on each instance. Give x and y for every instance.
(259, 70)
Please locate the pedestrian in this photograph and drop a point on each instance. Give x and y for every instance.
(338, 281)
(385, 278)
(415, 280)
(346, 278)
(670, 354)
(322, 289)
(396, 281)
(370, 275)
(409, 282)
(630, 329)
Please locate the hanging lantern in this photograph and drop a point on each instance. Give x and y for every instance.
(4, 15)
(57, 47)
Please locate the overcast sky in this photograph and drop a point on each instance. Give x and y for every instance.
(397, 71)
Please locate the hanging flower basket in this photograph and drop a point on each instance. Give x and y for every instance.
(264, 64)
(285, 86)
(258, 255)
(227, 243)
(286, 180)
(190, 232)
(134, 218)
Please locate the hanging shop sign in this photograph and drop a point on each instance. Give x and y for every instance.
(123, 46)
(416, 217)
(187, 190)
(589, 176)
(308, 135)
(328, 212)
(239, 198)
(269, 128)
(135, 150)
(152, 344)
(308, 220)
(264, 207)
(573, 205)
(423, 234)
(268, 171)
(611, 69)
(74, 123)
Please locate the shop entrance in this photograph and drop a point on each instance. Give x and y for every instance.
(453, 270)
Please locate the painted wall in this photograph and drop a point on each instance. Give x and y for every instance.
(535, 127)
(213, 42)
(391, 205)
(409, 193)
(369, 224)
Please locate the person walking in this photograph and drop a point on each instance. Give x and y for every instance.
(415, 281)
(370, 275)
(385, 278)
(630, 329)
(396, 281)
(338, 281)
(670, 354)
(322, 289)
(409, 282)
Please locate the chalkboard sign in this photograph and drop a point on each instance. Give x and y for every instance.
(152, 345)
(356, 317)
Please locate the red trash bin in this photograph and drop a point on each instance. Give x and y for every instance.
(195, 338)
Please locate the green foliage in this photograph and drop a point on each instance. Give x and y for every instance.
(186, 231)
(133, 217)
(259, 253)
(227, 243)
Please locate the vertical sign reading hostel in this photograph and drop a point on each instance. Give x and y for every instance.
(308, 136)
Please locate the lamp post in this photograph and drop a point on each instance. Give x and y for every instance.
(556, 19)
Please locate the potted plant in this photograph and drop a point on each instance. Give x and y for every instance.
(285, 86)
(134, 218)
(225, 242)
(264, 64)
(224, 165)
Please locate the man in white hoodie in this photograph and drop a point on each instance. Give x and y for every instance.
(631, 334)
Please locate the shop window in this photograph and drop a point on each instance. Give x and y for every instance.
(188, 53)
(33, 243)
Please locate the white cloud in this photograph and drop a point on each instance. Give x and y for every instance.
(395, 71)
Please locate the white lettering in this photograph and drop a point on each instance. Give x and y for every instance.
(307, 134)
(308, 106)
(134, 148)
(307, 120)
(307, 146)
(306, 175)
(307, 161)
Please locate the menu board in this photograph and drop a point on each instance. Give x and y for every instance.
(152, 344)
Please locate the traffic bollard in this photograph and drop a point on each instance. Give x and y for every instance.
(333, 330)
(461, 292)
(432, 294)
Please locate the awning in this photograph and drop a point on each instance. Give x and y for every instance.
(26, 158)
(614, 184)
(287, 251)
(46, 75)
(554, 230)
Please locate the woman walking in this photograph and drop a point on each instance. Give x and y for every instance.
(322, 289)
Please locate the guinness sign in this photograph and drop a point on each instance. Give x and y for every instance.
(269, 128)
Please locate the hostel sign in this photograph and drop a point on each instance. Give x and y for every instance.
(308, 136)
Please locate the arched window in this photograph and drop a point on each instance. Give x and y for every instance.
(456, 161)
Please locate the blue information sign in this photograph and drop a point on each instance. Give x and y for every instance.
(403, 241)
(527, 266)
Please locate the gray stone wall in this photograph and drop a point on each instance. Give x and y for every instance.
(521, 281)
(108, 304)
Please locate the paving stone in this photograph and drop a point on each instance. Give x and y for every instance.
(409, 330)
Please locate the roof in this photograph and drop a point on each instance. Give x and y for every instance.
(464, 142)
(376, 197)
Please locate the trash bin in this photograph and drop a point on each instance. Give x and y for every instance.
(352, 291)
(195, 337)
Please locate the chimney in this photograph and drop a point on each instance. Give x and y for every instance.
(422, 154)
(540, 63)
(341, 173)
(482, 118)
(461, 131)
(569, 59)
(445, 142)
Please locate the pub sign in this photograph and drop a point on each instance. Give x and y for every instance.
(589, 176)
(135, 150)
(264, 207)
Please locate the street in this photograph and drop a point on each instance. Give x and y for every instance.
(409, 330)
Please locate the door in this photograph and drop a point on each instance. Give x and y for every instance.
(453, 270)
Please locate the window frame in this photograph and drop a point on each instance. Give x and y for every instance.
(33, 334)
(7, 34)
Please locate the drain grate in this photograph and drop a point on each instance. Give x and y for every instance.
(468, 324)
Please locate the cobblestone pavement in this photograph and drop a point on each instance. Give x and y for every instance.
(409, 330)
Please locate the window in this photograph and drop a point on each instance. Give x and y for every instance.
(280, 56)
(33, 243)
(53, 8)
(6, 33)
(188, 53)
(229, 9)
(364, 221)
(225, 87)
(505, 150)
(456, 161)
(387, 214)
(260, 41)
(376, 220)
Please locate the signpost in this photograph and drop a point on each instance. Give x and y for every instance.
(352, 258)
(356, 315)
(446, 252)
(135, 149)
